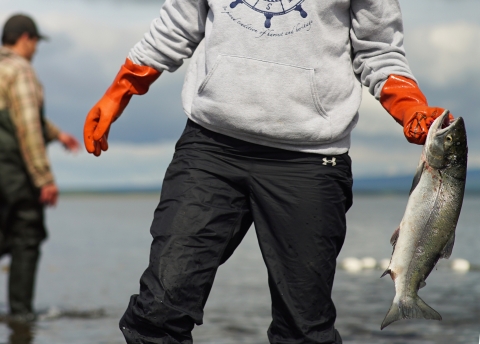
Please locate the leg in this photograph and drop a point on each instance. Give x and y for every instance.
(299, 210)
(21, 221)
(202, 216)
(27, 232)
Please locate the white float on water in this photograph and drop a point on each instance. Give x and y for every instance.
(352, 264)
(369, 263)
(460, 265)
(384, 263)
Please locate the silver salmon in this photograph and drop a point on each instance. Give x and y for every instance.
(427, 230)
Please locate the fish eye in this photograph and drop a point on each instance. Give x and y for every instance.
(449, 138)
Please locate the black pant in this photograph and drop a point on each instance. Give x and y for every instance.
(213, 189)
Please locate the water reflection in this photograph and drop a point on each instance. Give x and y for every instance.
(21, 332)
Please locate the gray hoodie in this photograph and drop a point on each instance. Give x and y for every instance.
(282, 73)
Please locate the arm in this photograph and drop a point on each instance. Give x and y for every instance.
(172, 38)
(379, 59)
(54, 133)
(26, 103)
(404, 101)
(377, 42)
(131, 79)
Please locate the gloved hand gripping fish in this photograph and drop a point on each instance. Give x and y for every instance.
(427, 230)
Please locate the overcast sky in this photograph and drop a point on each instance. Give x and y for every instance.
(89, 40)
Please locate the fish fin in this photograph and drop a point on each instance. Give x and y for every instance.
(427, 311)
(422, 284)
(410, 308)
(394, 238)
(447, 250)
(387, 272)
(418, 175)
(393, 314)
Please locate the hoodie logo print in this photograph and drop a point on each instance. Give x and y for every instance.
(271, 8)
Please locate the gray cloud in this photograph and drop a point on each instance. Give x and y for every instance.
(88, 46)
(78, 65)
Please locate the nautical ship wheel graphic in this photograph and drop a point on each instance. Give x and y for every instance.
(272, 8)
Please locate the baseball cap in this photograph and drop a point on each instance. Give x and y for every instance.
(19, 24)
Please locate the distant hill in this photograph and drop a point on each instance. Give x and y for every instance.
(402, 184)
(374, 185)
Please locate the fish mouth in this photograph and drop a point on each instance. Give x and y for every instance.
(442, 125)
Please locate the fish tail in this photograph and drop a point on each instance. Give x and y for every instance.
(427, 311)
(409, 308)
(393, 314)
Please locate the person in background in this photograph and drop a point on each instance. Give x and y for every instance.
(27, 184)
(271, 94)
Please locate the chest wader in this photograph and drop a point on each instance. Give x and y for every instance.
(21, 220)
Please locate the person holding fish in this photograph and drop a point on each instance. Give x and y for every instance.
(269, 119)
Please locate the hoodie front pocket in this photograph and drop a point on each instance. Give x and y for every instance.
(273, 101)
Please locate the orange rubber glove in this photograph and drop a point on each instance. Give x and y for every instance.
(131, 79)
(404, 101)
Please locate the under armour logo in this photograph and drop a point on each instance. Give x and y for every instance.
(333, 161)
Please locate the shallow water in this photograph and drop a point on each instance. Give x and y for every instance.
(99, 244)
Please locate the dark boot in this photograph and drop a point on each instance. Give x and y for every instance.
(338, 339)
(22, 281)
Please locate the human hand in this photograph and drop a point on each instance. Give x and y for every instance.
(98, 122)
(418, 120)
(49, 194)
(406, 103)
(69, 142)
(131, 79)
